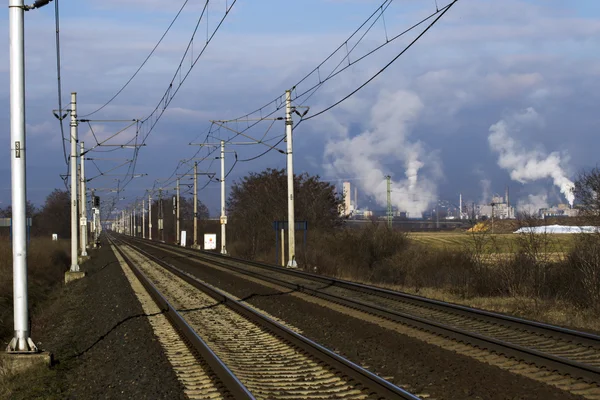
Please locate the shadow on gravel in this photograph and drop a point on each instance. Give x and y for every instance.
(102, 337)
(91, 273)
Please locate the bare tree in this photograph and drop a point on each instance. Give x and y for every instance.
(259, 199)
(587, 193)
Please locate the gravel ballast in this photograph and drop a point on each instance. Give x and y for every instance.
(102, 343)
(416, 365)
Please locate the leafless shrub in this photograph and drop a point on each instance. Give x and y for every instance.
(584, 261)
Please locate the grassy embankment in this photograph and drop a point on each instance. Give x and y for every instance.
(47, 262)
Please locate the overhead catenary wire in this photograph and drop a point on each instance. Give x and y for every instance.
(380, 11)
(441, 14)
(143, 63)
(172, 88)
(277, 104)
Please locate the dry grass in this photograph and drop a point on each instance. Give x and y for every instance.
(47, 262)
(522, 275)
(553, 312)
(497, 243)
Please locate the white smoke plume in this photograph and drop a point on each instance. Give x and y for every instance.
(362, 156)
(486, 190)
(533, 203)
(527, 165)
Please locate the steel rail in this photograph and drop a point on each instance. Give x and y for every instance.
(576, 369)
(368, 379)
(223, 373)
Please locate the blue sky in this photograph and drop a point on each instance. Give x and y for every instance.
(426, 120)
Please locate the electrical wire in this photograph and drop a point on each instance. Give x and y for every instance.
(170, 94)
(441, 14)
(143, 63)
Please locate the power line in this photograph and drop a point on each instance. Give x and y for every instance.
(143, 63)
(173, 88)
(441, 14)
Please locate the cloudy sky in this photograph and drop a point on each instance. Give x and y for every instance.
(496, 93)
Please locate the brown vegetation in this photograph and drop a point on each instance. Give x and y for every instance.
(47, 263)
(531, 271)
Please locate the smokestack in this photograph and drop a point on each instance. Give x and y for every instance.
(356, 197)
(506, 197)
(460, 206)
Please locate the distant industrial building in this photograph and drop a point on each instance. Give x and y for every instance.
(561, 210)
(499, 208)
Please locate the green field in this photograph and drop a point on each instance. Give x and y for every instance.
(499, 243)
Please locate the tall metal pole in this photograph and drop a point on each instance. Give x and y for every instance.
(83, 203)
(177, 216)
(161, 217)
(74, 219)
(223, 215)
(150, 217)
(390, 215)
(143, 218)
(21, 341)
(195, 204)
(135, 222)
(93, 224)
(290, 181)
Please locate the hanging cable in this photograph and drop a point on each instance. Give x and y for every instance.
(143, 63)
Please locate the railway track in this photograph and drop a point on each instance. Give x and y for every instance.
(250, 353)
(565, 351)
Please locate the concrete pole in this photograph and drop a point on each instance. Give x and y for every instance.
(195, 205)
(223, 214)
(122, 221)
(290, 181)
(21, 341)
(150, 217)
(83, 203)
(282, 247)
(135, 222)
(161, 221)
(177, 216)
(74, 219)
(143, 218)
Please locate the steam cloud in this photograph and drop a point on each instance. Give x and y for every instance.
(361, 157)
(527, 166)
(533, 203)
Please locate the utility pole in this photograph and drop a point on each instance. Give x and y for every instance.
(83, 203)
(160, 216)
(135, 222)
(177, 233)
(290, 181)
(195, 245)
(223, 213)
(21, 341)
(74, 219)
(390, 214)
(143, 218)
(123, 222)
(150, 216)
